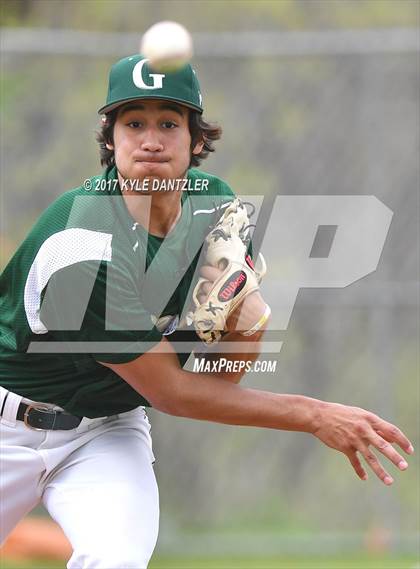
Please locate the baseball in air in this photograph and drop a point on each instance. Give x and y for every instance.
(167, 45)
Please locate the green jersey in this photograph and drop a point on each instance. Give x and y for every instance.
(88, 277)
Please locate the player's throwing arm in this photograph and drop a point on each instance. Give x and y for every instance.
(351, 430)
(227, 293)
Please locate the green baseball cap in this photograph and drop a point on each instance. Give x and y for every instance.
(132, 78)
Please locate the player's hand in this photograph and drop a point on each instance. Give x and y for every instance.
(355, 431)
(246, 314)
(211, 274)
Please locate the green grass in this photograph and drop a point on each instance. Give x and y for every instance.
(372, 562)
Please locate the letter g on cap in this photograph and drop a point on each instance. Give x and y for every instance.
(138, 77)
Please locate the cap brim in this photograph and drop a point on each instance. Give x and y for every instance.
(108, 108)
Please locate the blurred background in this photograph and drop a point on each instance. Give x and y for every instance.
(315, 97)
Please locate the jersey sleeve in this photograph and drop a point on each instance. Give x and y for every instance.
(94, 307)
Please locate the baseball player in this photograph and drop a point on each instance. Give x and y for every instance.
(92, 306)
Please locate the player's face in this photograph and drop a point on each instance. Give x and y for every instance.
(152, 140)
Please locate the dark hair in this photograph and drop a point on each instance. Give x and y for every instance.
(200, 130)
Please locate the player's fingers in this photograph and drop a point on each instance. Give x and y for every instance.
(389, 451)
(392, 434)
(201, 298)
(210, 273)
(375, 465)
(206, 287)
(357, 465)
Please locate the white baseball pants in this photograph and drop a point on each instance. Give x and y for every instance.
(96, 481)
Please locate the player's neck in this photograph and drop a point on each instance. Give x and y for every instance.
(160, 215)
(164, 213)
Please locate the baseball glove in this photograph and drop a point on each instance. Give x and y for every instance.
(225, 247)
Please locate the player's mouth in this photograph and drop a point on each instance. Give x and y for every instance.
(151, 160)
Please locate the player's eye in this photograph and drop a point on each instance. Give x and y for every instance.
(169, 124)
(134, 124)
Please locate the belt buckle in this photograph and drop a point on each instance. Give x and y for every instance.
(37, 407)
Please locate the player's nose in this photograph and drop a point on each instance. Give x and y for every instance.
(150, 141)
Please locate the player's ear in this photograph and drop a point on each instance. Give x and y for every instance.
(198, 147)
(109, 146)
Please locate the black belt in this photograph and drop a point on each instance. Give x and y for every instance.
(42, 418)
